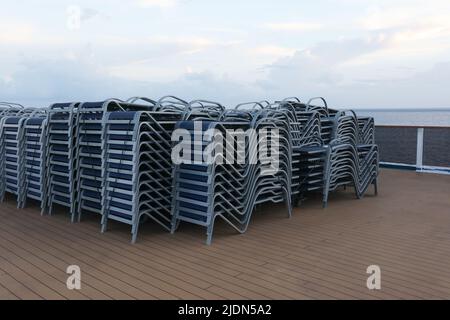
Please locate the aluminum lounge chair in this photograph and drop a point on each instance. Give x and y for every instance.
(333, 161)
(203, 110)
(12, 140)
(35, 144)
(309, 151)
(10, 108)
(12, 156)
(61, 157)
(352, 156)
(207, 190)
(138, 165)
(352, 165)
(90, 127)
(7, 109)
(366, 130)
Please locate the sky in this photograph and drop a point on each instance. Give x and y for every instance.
(355, 53)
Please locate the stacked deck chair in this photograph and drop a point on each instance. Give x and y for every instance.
(11, 157)
(138, 168)
(13, 153)
(352, 156)
(309, 152)
(91, 117)
(61, 155)
(35, 144)
(6, 109)
(322, 164)
(326, 117)
(203, 110)
(366, 130)
(205, 190)
(9, 108)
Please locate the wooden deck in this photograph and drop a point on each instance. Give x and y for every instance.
(317, 254)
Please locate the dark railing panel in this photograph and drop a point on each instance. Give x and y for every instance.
(436, 147)
(397, 144)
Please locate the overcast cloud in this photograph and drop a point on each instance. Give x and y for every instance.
(356, 53)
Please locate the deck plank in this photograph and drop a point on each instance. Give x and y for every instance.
(317, 254)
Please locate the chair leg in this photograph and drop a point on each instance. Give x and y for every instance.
(72, 216)
(134, 231)
(174, 225)
(289, 206)
(104, 224)
(325, 199)
(50, 206)
(209, 232)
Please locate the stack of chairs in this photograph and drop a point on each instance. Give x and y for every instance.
(203, 110)
(89, 133)
(10, 109)
(311, 166)
(34, 151)
(115, 158)
(138, 168)
(61, 157)
(327, 118)
(352, 155)
(90, 156)
(340, 151)
(11, 157)
(309, 150)
(22, 152)
(366, 130)
(350, 165)
(205, 190)
(346, 127)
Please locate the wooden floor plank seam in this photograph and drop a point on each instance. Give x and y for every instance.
(241, 288)
(85, 257)
(150, 270)
(316, 254)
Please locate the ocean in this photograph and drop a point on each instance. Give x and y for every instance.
(408, 117)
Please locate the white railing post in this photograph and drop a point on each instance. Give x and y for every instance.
(419, 157)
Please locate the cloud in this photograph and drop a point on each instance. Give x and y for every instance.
(89, 13)
(293, 26)
(41, 82)
(273, 51)
(420, 90)
(415, 27)
(407, 14)
(160, 45)
(325, 70)
(47, 80)
(164, 58)
(325, 56)
(16, 32)
(392, 54)
(186, 45)
(157, 3)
